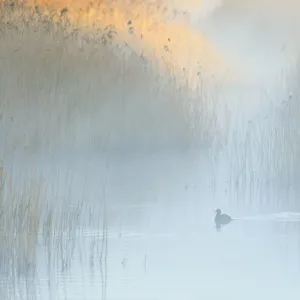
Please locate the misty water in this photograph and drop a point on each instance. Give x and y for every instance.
(155, 237)
(109, 180)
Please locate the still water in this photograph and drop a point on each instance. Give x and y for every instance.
(151, 236)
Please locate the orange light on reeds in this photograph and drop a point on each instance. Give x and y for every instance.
(150, 28)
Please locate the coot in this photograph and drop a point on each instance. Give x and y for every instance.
(221, 219)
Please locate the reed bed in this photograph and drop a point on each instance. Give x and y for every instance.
(57, 97)
(34, 220)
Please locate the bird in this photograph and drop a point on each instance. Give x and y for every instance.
(221, 219)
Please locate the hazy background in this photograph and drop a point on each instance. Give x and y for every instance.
(125, 125)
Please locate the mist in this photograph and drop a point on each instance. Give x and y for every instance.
(125, 125)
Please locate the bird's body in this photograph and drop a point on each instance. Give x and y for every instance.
(221, 219)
